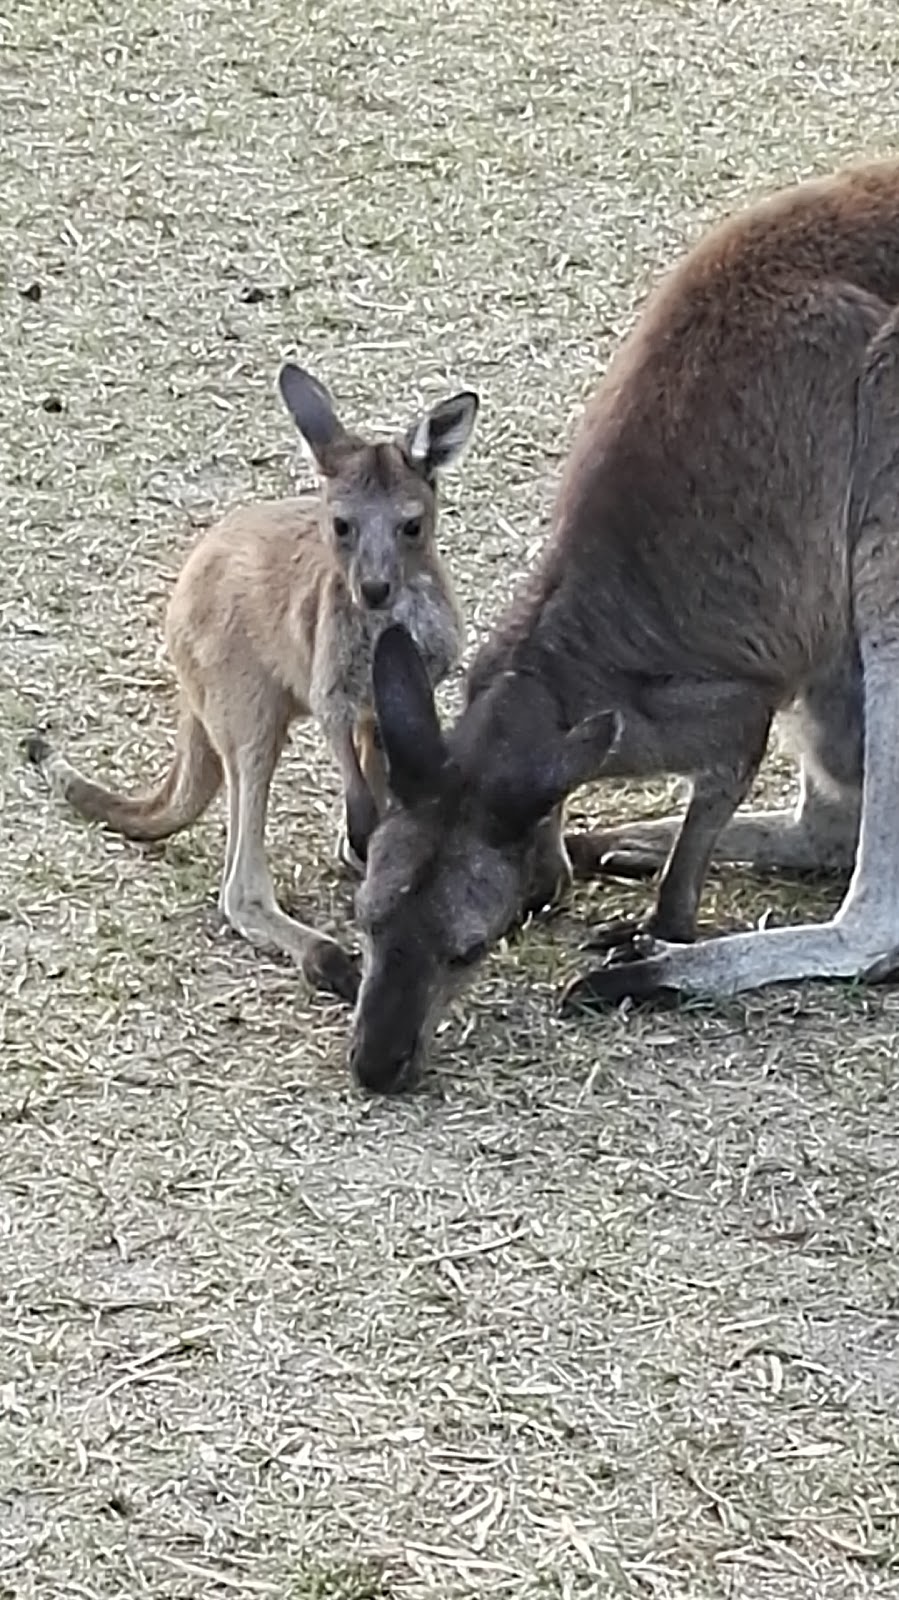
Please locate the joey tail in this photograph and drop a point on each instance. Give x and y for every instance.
(190, 785)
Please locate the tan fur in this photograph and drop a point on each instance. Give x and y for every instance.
(267, 623)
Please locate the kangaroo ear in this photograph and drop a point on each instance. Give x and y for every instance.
(407, 717)
(526, 797)
(585, 750)
(441, 436)
(312, 409)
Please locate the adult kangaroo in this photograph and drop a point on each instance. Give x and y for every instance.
(724, 546)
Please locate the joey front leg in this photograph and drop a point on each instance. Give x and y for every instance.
(361, 812)
(371, 759)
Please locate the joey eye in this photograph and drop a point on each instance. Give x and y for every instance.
(342, 529)
(412, 528)
(469, 957)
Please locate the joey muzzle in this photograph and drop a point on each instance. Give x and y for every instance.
(375, 592)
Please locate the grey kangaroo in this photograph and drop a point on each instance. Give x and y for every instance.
(724, 547)
(274, 616)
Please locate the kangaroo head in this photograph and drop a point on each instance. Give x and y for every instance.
(379, 499)
(451, 865)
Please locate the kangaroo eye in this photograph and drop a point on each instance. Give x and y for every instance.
(342, 528)
(412, 528)
(469, 957)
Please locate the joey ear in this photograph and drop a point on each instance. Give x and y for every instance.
(312, 409)
(407, 717)
(441, 436)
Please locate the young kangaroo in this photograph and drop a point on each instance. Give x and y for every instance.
(274, 616)
(725, 545)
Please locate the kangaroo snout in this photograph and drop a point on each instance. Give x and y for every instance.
(375, 592)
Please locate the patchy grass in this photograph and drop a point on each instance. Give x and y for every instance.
(339, 1583)
(606, 1309)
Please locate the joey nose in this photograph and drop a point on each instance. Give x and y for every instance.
(375, 592)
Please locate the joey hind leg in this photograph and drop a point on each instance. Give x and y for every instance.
(715, 797)
(248, 898)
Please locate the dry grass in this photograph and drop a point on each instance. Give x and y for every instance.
(607, 1310)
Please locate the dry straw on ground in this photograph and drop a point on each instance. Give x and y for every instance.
(604, 1310)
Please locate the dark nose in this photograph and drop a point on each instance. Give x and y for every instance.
(375, 592)
(381, 1074)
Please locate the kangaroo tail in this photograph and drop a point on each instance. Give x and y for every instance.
(191, 783)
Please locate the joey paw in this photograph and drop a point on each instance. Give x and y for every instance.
(36, 749)
(328, 966)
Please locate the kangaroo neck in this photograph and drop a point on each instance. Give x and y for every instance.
(548, 656)
(507, 723)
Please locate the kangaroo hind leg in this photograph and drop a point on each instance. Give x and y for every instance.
(248, 897)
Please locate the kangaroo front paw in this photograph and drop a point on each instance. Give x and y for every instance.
(594, 855)
(547, 889)
(609, 935)
(631, 972)
(627, 930)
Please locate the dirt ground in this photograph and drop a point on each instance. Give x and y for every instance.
(606, 1309)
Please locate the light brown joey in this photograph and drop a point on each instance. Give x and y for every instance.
(724, 548)
(274, 616)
